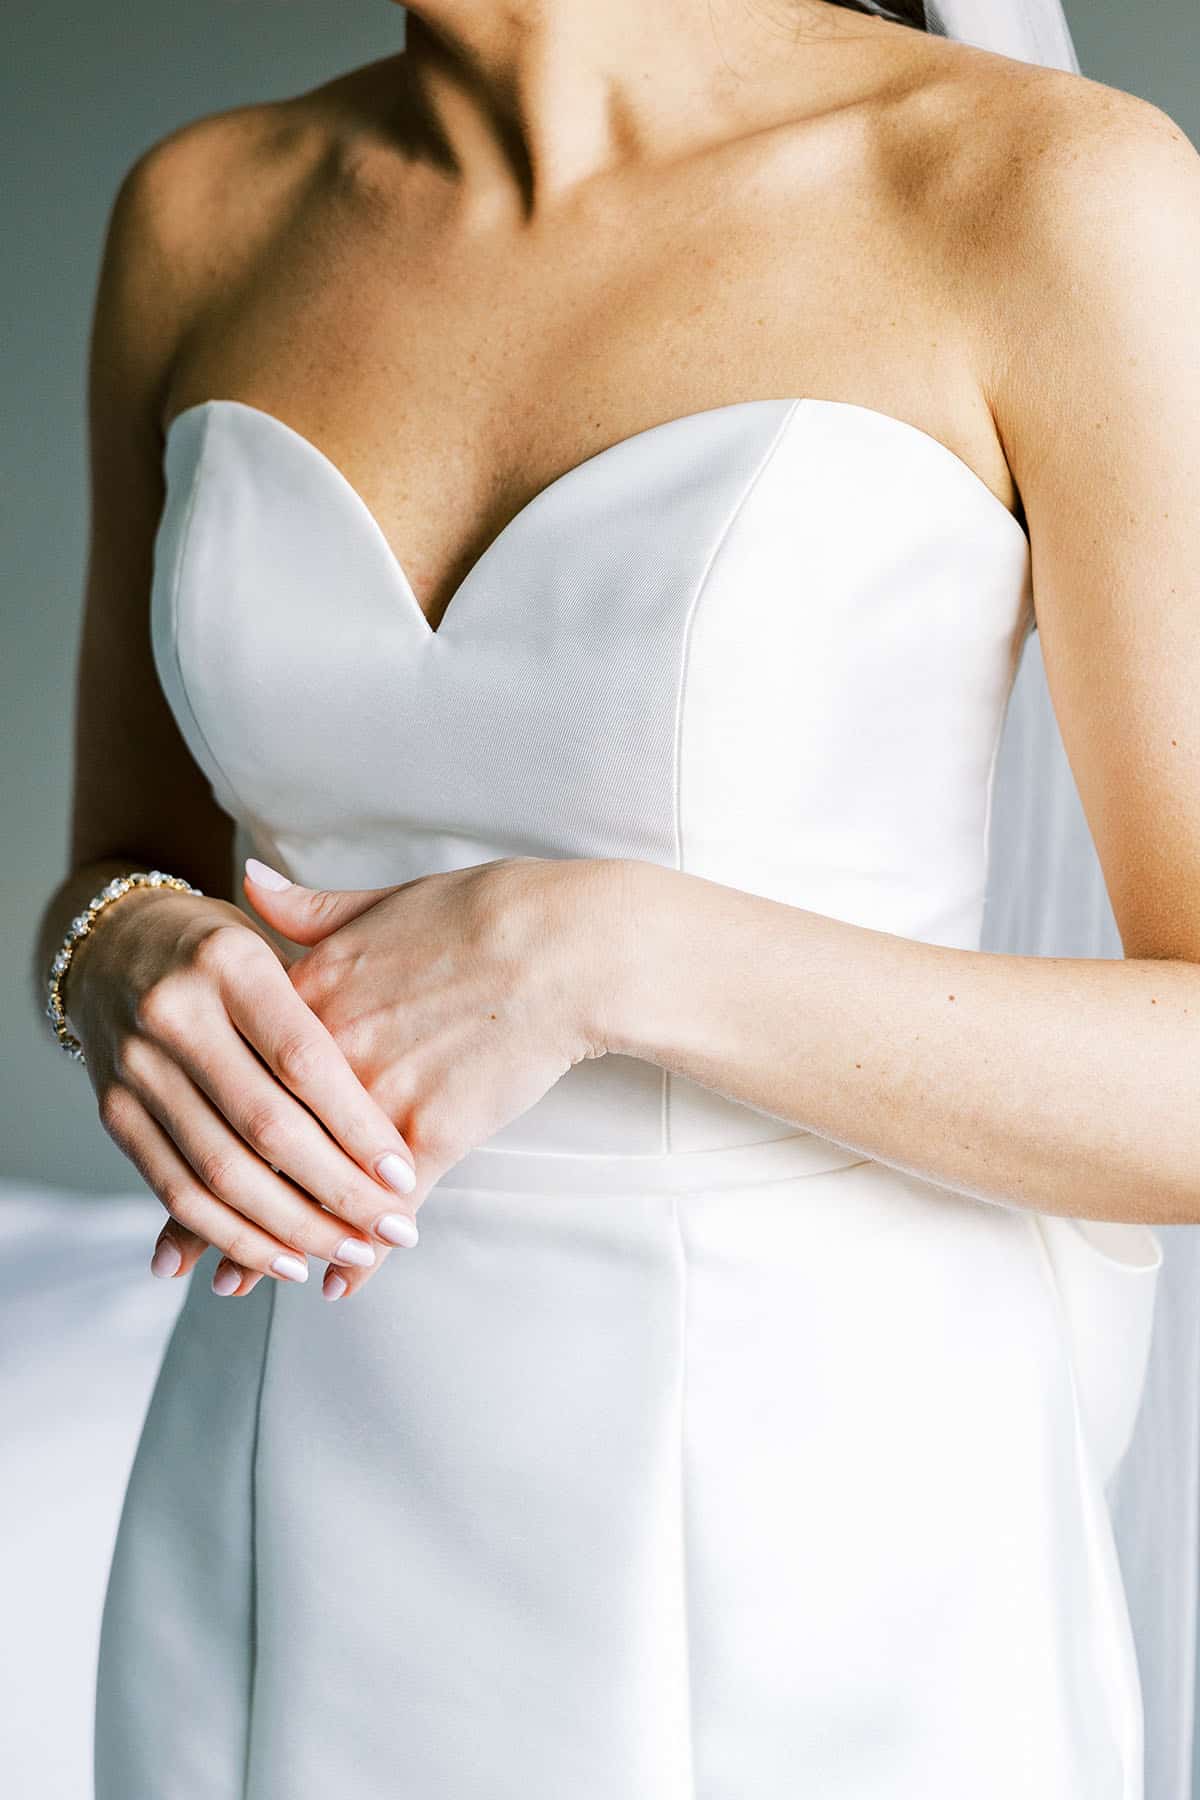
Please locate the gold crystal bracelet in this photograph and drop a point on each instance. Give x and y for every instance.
(78, 929)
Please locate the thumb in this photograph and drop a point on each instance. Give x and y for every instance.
(305, 915)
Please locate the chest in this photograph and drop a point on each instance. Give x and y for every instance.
(771, 643)
(451, 376)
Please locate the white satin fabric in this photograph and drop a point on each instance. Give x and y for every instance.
(689, 1454)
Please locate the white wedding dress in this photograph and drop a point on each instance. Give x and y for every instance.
(690, 1456)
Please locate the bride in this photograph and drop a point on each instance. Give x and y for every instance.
(574, 492)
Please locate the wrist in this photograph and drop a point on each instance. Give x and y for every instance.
(627, 904)
(120, 890)
(105, 926)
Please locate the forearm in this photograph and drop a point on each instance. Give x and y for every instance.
(1066, 1085)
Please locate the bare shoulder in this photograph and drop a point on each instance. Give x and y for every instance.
(194, 204)
(197, 208)
(1068, 160)
(1070, 199)
(1006, 149)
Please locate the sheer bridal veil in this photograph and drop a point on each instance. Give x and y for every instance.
(1046, 896)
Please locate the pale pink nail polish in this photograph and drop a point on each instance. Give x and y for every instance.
(226, 1280)
(166, 1259)
(265, 876)
(397, 1173)
(334, 1285)
(395, 1228)
(354, 1250)
(292, 1268)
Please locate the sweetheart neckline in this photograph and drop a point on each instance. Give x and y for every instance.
(551, 490)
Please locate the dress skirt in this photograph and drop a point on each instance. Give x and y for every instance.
(759, 1473)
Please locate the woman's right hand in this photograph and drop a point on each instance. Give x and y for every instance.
(230, 1098)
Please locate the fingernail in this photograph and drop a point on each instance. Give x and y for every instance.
(334, 1285)
(265, 876)
(166, 1259)
(354, 1250)
(394, 1228)
(397, 1173)
(292, 1268)
(226, 1280)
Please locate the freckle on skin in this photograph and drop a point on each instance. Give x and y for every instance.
(949, 996)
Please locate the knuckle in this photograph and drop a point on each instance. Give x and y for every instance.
(217, 1171)
(179, 1199)
(346, 1203)
(230, 950)
(313, 976)
(116, 1107)
(431, 1130)
(240, 1248)
(353, 1037)
(131, 1058)
(266, 1130)
(324, 904)
(297, 1059)
(157, 1010)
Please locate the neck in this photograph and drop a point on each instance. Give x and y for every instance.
(541, 95)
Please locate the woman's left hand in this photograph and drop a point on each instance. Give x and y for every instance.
(458, 998)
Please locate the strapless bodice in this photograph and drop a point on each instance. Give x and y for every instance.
(689, 1452)
(771, 644)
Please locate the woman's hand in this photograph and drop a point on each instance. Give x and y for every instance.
(230, 1097)
(457, 998)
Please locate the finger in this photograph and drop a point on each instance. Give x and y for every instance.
(305, 915)
(306, 1059)
(176, 1251)
(341, 1280)
(334, 1285)
(268, 1118)
(153, 1152)
(229, 1279)
(233, 1173)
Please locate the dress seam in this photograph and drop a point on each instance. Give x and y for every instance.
(698, 1191)
(176, 617)
(701, 589)
(690, 1747)
(252, 1657)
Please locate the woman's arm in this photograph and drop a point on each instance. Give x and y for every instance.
(211, 1075)
(139, 800)
(1069, 1086)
